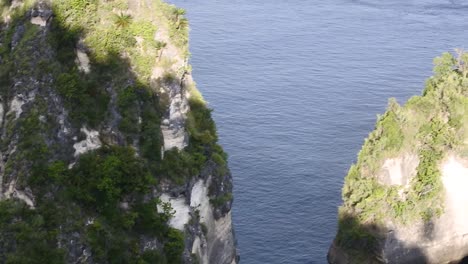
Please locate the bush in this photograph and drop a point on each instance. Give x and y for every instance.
(20, 225)
(127, 104)
(174, 246)
(221, 200)
(178, 166)
(150, 135)
(101, 178)
(84, 97)
(392, 135)
(357, 239)
(149, 221)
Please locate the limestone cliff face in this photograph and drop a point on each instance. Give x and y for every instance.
(210, 229)
(439, 240)
(107, 150)
(405, 199)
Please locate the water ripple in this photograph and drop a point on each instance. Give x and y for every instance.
(296, 86)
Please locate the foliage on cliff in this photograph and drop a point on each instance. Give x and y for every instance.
(429, 126)
(99, 206)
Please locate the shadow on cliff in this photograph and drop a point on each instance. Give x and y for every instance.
(356, 242)
(106, 95)
(369, 243)
(42, 59)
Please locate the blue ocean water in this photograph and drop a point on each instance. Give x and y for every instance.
(296, 86)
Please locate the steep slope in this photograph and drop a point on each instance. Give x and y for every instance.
(108, 152)
(404, 200)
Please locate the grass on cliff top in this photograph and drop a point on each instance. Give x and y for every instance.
(428, 126)
(123, 27)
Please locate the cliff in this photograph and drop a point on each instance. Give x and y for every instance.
(108, 153)
(405, 199)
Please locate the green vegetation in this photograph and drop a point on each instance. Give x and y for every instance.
(428, 126)
(101, 179)
(108, 34)
(122, 20)
(33, 241)
(357, 239)
(203, 137)
(175, 246)
(98, 183)
(219, 201)
(84, 98)
(104, 199)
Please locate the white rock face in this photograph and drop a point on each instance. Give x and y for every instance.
(12, 192)
(63, 127)
(218, 246)
(445, 238)
(173, 127)
(1, 113)
(24, 197)
(219, 243)
(197, 249)
(41, 15)
(82, 60)
(399, 171)
(17, 103)
(40, 21)
(91, 142)
(455, 179)
(199, 199)
(90, 221)
(181, 216)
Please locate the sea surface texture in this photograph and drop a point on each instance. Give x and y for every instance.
(296, 86)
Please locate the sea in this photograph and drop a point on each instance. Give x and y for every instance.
(296, 86)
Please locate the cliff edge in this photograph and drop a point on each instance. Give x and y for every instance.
(404, 201)
(108, 153)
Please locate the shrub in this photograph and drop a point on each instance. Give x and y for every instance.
(357, 239)
(102, 177)
(122, 20)
(221, 200)
(178, 166)
(174, 247)
(20, 225)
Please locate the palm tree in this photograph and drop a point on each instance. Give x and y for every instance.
(177, 13)
(122, 20)
(183, 22)
(159, 47)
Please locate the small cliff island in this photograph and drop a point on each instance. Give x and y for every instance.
(405, 200)
(108, 153)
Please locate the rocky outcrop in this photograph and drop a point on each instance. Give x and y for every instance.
(173, 124)
(441, 240)
(405, 199)
(175, 94)
(399, 171)
(100, 150)
(211, 239)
